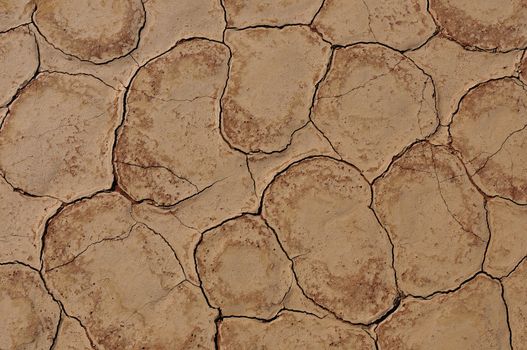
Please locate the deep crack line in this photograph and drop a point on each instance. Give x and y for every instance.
(507, 313)
(252, 177)
(322, 3)
(57, 331)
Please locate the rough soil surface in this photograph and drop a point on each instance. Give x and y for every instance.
(275, 174)
(71, 336)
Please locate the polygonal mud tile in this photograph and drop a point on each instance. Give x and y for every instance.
(247, 13)
(18, 61)
(455, 70)
(97, 31)
(515, 294)
(57, 138)
(105, 216)
(473, 317)
(342, 256)
(508, 241)
(170, 147)
(399, 24)
(243, 269)
(271, 84)
(489, 25)
(490, 131)
(23, 222)
(435, 217)
(292, 330)
(373, 103)
(29, 314)
(122, 281)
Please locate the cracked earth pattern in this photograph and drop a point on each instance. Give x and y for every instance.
(272, 174)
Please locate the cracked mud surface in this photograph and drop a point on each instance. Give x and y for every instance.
(276, 174)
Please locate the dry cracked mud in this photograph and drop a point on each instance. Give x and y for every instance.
(274, 174)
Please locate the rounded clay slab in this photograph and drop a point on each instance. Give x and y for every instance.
(435, 218)
(372, 104)
(495, 154)
(57, 139)
(92, 30)
(342, 256)
(23, 222)
(243, 269)
(456, 70)
(170, 147)
(508, 243)
(489, 25)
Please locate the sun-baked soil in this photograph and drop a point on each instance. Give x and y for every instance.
(274, 174)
